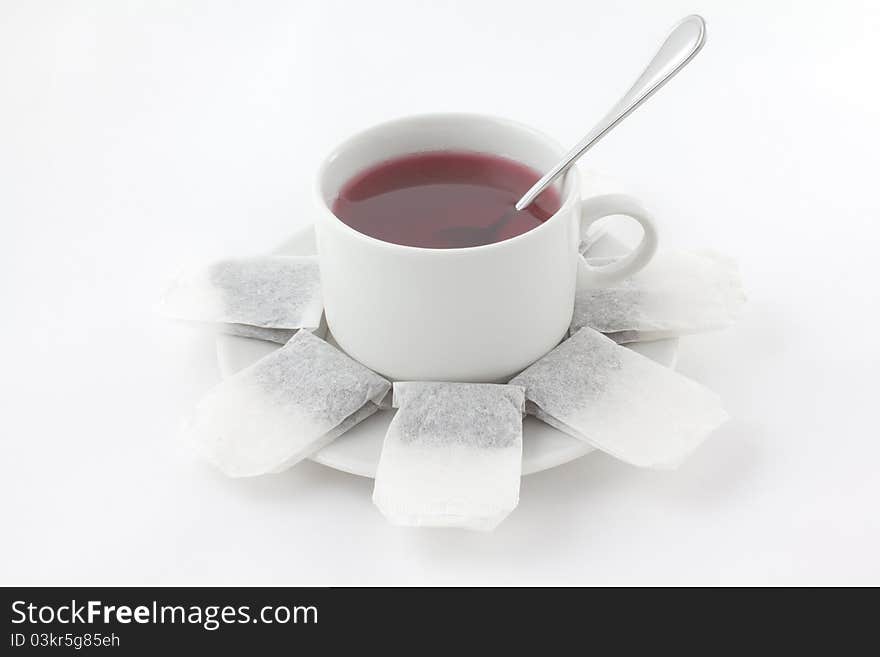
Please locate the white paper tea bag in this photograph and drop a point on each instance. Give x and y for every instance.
(595, 183)
(284, 407)
(677, 293)
(278, 292)
(619, 401)
(279, 336)
(593, 237)
(452, 456)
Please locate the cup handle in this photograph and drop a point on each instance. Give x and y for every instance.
(597, 207)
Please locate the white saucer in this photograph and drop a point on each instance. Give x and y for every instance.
(357, 451)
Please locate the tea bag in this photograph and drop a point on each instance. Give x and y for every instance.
(385, 404)
(593, 236)
(280, 336)
(677, 293)
(595, 183)
(620, 402)
(452, 456)
(284, 407)
(271, 292)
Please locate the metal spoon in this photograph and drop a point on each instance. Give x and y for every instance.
(683, 43)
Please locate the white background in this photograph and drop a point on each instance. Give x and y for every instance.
(137, 136)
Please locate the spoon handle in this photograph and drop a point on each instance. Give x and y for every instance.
(680, 47)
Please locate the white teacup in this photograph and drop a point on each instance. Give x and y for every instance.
(482, 313)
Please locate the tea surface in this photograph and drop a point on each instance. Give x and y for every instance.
(419, 199)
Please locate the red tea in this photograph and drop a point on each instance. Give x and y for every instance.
(431, 199)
